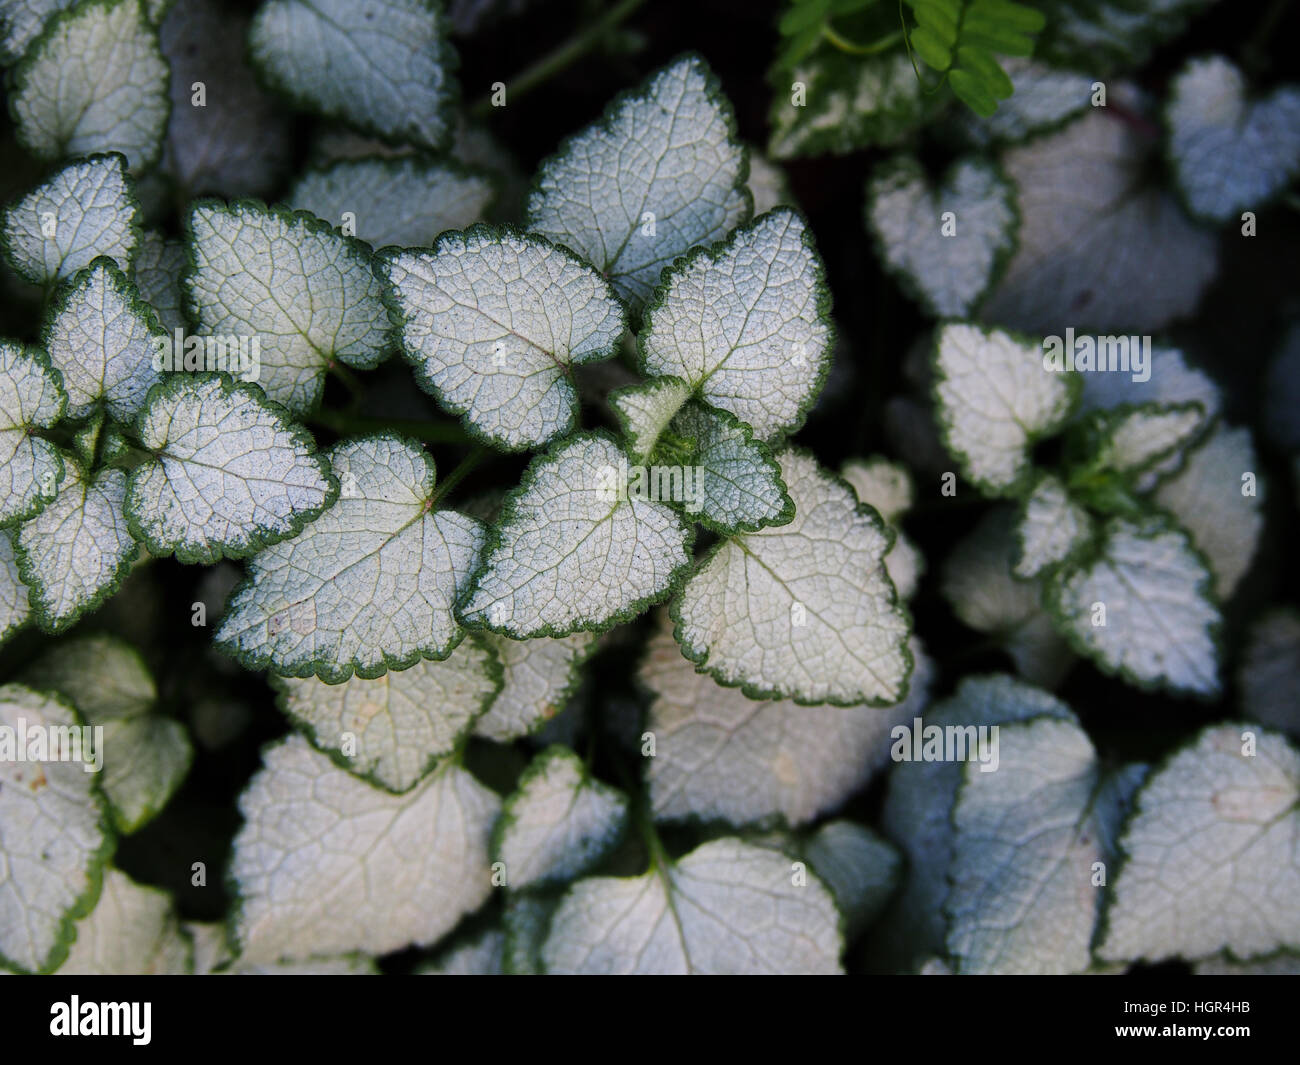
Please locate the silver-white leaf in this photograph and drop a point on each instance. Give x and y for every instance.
(1026, 843)
(74, 553)
(1218, 497)
(727, 907)
(383, 66)
(367, 586)
(645, 410)
(31, 397)
(737, 483)
(539, 675)
(159, 262)
(802, 611)
(1141, 605)
(1087, 222)
(575, 550)
(1052, 527)
(995, 397)
(559, 822)
(404, 202)
(661, 173)
(306, 294)
(917, 815)
(94, 81)
(494, 322)
(948, 262)
(327, 864)
(393, 729)
(15, 608)
(1229, 153)
(720, 755)
(53, 837)
(228, 473)
(746, 324)
(85, 210)
(101, 339)
(1211, 861)
(132, 931)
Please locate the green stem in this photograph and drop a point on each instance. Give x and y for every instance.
(477, 455)
(360, 425)
(551, 64)
(659, 859)
(350, 380)
(1255, 51)
(853, 48)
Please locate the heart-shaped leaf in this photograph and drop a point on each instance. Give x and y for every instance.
(727, 907)
(384, 66)
(85, 210)
(74, 554)
(1088, 216)
(369, 585)
(54, 833)
(307, 295)
(103, 339)
(738, 486)
(746, 323)
(559, 822)
(802, 611)
(326, 863)
(645, 410)
(1230, 154)
(494, 321)
(1140, 604)
(1210, 859)
(660, 173)
(1027, 842)
(31, 397)
(94, 81)
(574, 549)
(229, 475)
(1132, 438)
(995, 397)
(947, 244)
